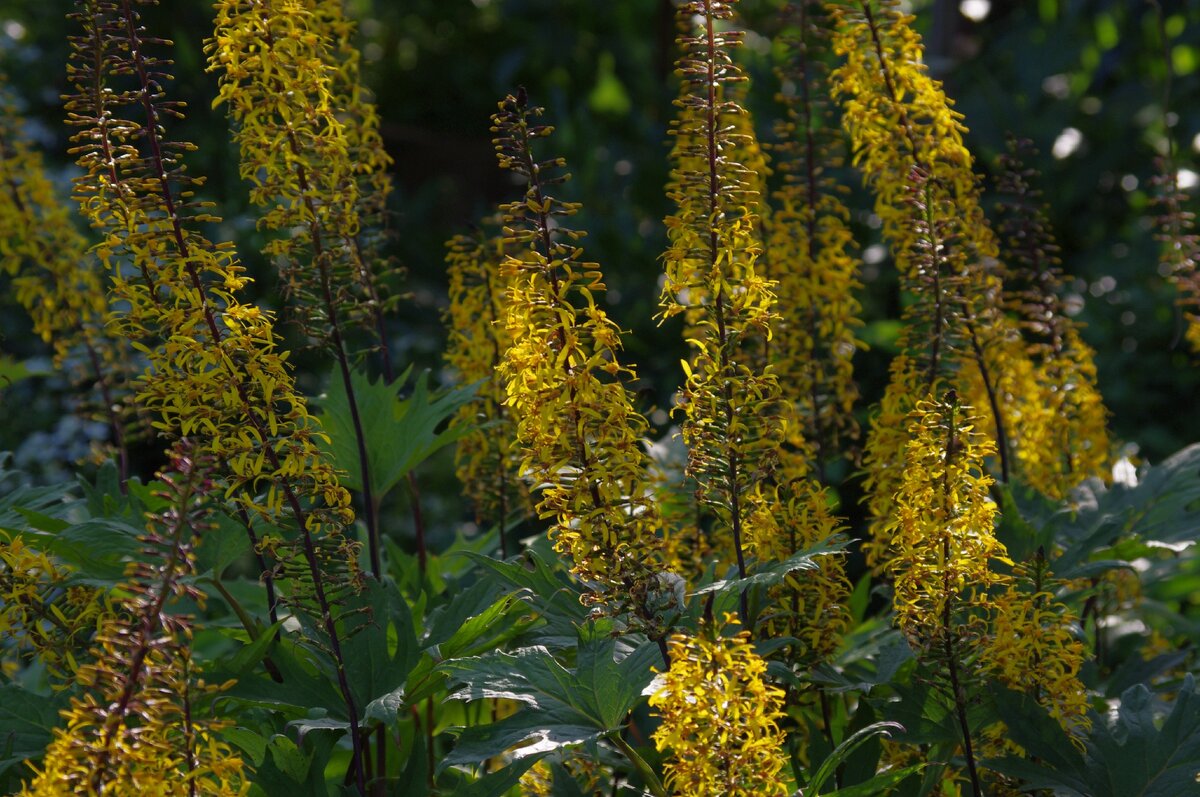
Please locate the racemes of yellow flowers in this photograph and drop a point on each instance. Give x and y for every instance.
(580, 437)
(720, 718)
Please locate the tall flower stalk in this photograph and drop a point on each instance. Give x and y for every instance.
(1075, 418)
(729, 399)
(908, 142)
(811, 250)
(215, 373)
(141, 724)
(579, 434)
(279, 83)
(944, 547)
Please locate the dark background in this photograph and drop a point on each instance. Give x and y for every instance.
(603, 71)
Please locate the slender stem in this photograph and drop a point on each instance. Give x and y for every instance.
(414, 494)
(268, 577)
(649, 777)
(321, 259)
(324, 605)
(252, 628)
(810, 223)
(993, 402)
(732, 478)
(960, 702)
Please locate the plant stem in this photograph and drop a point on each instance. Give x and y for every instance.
(649, 777)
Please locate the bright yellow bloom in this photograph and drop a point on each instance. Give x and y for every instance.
(59, 282)
(280, 80)
(487, 459)
(810, 256)
(729, 399)
(1069, 414)
(942, 538)
(810, 605)
(40, 612)
(1032, 649)
(215, 373)
(720, 719)
(908, 142)
(580, 436)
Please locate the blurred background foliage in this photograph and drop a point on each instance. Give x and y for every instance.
(1086, 80)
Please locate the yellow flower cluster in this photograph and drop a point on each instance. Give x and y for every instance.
(215, 373)
(539, 781)
(950, 601)
(487, 460)
(1073, 424)
(1032, 649)
(942, 539)
(720, 719)
(140, 725)
(42, 612)
(908, 141)
(1180, 245)
(579, 434)
(729, 399)
(810, 605)
(278, 77)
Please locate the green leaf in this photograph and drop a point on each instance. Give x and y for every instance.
(768, 575)
(382, 650)
(843, 751)
(400, 434)
(500, 782)
(883, 783)
(27, 722)
(1125, 756)
(248, 656)
(99, 549)
(221, 545)
(563, 707)
(13, 371)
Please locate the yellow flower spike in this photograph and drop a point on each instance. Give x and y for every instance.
(941, 530)
(143, 724)
(908, 142)
(580, 437)
(720, 718)
(729, 401)
(31, 587)
(1032, 647)
(203, 371)
(293, 114)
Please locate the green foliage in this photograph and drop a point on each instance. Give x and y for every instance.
(469, 673)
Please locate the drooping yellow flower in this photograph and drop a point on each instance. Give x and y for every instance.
(943, 543)
(216, 375)
(908, 142)
(42, 614)
(142, 723)
(579, 434)
(1074, 418)
(729, 400)
(279, 77)
(487, 459)
(1032, 647)
(720, 719)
